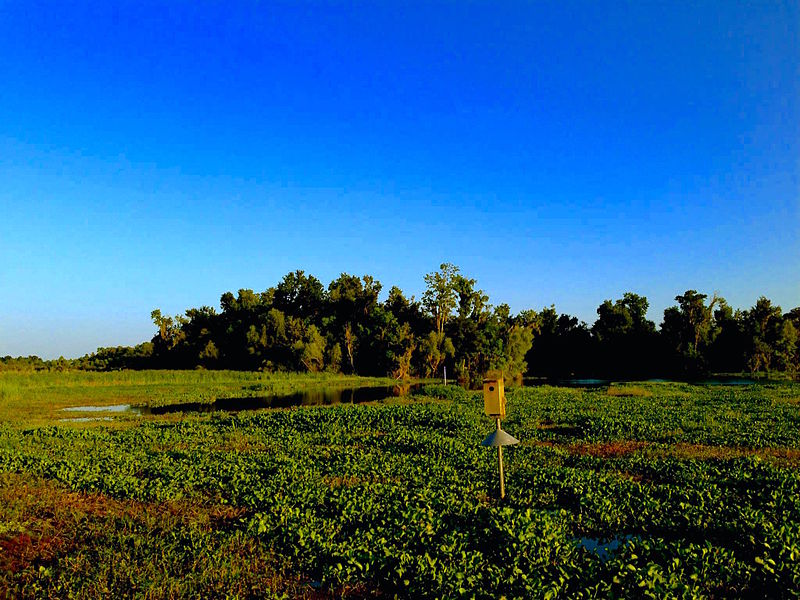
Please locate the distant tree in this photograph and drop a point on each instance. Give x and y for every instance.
(467, 327)
(727, 352)
(169, 342)
(308, 346)
(199, 330)
(209, 354)
(624, 336)
(242, 319)
(623, 317)
(300, 295)
(472, 303)
(334, 358)
(436, 347)
(268, 342)
(117, 358)
(562, 346)
(405, 310)
(519, 342)
(301, 325)
(440, 296)
(794, 316)
(766, 335)
(689, 329)
(787, 357)
(349, 340)
(352, 303)
(401, 350)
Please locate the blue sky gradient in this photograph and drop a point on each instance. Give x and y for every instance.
(157, 155)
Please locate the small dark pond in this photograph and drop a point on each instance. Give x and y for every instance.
(727, 381)
(322, 397)
(107, 408)
(318, 397)
(604, 549)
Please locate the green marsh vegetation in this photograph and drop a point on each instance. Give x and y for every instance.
(39, 397)
(638, 490)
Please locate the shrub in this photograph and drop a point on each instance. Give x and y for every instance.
(629, 391)
(442, 392)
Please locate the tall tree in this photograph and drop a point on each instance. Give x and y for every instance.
(562, 347)
(766, 335)
(727, 352)
(436, 347)
(353, 302)
(624, 336)
(689, 329)
(440, 295)
(300, 295)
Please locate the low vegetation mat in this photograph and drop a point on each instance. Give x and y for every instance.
(668, 490)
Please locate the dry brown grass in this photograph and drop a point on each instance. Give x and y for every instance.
(781, 456)
(785, 457)
(615, 449)
(45, 525)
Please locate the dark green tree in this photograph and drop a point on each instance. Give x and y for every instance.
(625, 338)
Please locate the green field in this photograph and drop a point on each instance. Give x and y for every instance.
(38, 398)
(646, 490)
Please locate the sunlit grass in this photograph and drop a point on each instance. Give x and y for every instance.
(35, 399)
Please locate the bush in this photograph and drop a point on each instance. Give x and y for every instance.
(442, 392)
(629, 391)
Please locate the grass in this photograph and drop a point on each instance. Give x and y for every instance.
(37, 398)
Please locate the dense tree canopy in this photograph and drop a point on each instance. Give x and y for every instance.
(300, 325)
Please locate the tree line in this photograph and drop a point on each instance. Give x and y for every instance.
(301, 325)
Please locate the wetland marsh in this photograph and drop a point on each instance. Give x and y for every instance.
(645, 490)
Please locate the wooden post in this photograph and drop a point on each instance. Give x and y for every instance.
(500, 463)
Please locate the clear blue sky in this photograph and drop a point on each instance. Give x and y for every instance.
(160, 154)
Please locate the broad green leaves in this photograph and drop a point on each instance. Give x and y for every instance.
(688, 492)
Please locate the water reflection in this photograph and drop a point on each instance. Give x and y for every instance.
(316, 397)
(605, 549)
(107, 408)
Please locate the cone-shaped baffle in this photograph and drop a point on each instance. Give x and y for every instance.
(499, 438)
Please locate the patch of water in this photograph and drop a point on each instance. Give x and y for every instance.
(604, 549)
(727, 381)
(86, 419)
(583, 382)
(109, 408)
(318, 397)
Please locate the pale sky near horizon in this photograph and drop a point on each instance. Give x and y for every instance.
(559, 153)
